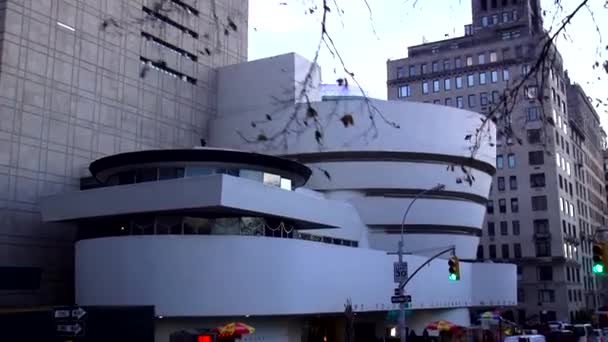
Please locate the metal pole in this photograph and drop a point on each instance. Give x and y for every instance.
(402, 334)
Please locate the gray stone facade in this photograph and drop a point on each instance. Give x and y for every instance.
(71, 92)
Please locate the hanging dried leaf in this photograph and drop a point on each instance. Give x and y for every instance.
(311, 112)
(262, 137)
(347, 120)
(318, 136)
(268, 117)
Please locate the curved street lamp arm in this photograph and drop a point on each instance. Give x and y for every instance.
(450, 249)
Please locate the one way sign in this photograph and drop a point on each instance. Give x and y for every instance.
(75, 329)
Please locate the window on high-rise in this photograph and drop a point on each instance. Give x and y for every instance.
(481, 58)
(425, 87)
(533, 114)
(482, 77)
(541, 226)
(511, 160)
(490, 207)
(484, 5)
(472, 101)
(435, 66)
(505, 74)
(504, 228)
(435, 86)
(480, 252)
(495, 97)
(423, 69)
(505, 251)
(539, 203)
(517, 250)
(537, 180)
(515, 15)
(493, 56)
(516, 229)
(546, 296)
(534, 136)
(499, 161)
(492, 251)
(469, 60)
(483, 99)
(484, 21)
(412, 70)
(494, 76)
(494, 3)
(514, 205)
(405, 91)
(543, 248)
(448, 101)
(458, 82)
(495, 19)
(506, 17)
(457, 63)
(513, 182)
(491, 229)
(502, 205)
(447, 84)
(459, 102)
(470, 80)
(447, 64)
(437, 101)
(500, 183)
(536, 157)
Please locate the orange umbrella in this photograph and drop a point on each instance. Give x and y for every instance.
(442, 325)
(234, 329)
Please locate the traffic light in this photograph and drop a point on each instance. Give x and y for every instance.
(454, 268)
(599, 258)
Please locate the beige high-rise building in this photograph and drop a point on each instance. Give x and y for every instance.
(81, 79)
(534, 213)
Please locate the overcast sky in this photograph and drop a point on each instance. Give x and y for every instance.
(367, 43)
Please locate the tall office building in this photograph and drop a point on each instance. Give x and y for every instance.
(531, 218)
(80, 79)
(587, 141)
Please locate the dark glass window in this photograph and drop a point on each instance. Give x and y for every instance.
(513, 182)
(537, 180)
(480, 252)
(514, 205)
(504, 228)
(170, 173)
(536, 157)
(517, 250)
(491, 230)
(492, 251)
(146, 175)
(534, 136)
(502, 205)
(516, 228)
(501, 183)
(490, 207)
(539, 203)
(505, 251)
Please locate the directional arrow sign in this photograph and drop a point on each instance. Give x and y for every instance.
(75, 329)
(78, 313)
(61, 313)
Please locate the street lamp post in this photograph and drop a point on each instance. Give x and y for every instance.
(400, 251)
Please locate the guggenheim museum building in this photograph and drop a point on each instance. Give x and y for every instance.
(271, 224)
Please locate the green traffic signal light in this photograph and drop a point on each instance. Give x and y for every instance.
(454, 269)
(598, 268)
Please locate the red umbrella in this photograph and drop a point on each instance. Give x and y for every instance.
(234, 329)
(442, 325)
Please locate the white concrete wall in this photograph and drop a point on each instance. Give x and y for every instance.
(238, 276)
